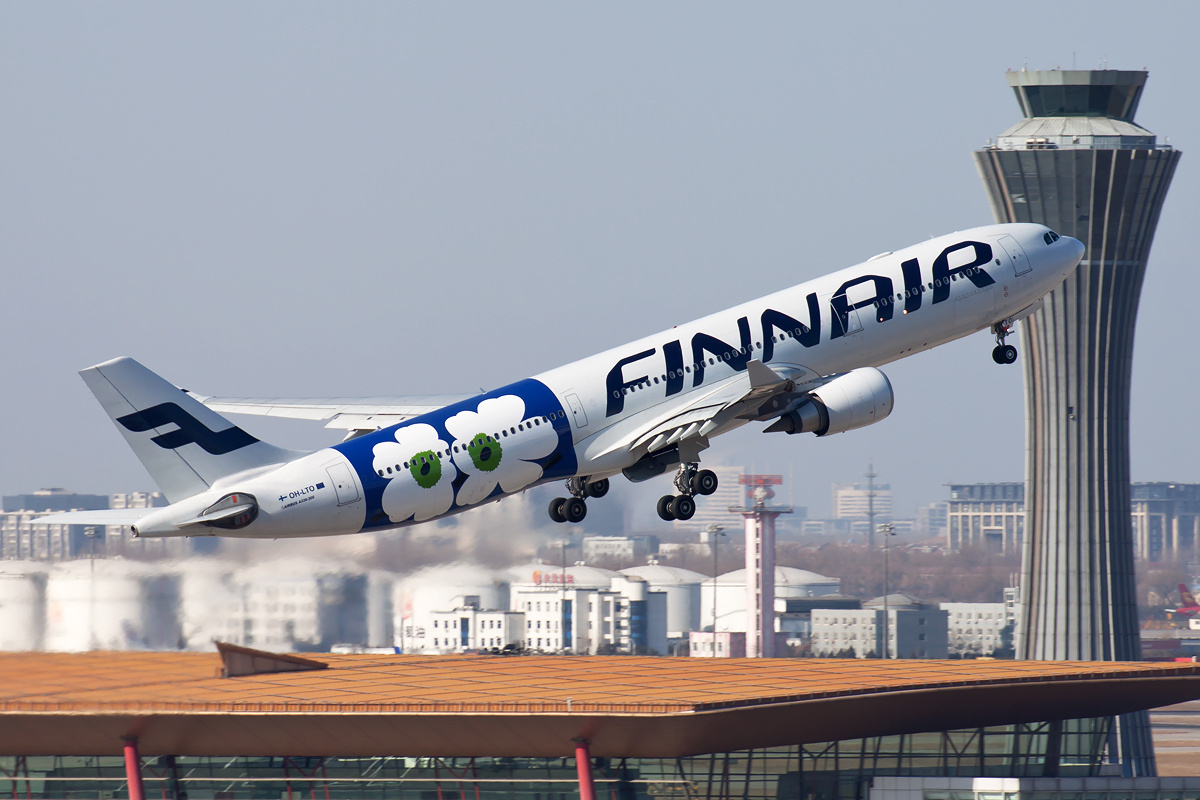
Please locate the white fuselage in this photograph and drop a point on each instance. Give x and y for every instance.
(582, 419)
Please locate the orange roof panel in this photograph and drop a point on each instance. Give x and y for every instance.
(177, 703)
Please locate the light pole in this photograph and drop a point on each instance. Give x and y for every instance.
(714, 531)
(887, 530)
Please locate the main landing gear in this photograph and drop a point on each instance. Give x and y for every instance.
(574, 508)
(690, 481)
(1003, 353)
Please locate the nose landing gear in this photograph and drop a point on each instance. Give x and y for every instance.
(1003, 353)
(690, 480)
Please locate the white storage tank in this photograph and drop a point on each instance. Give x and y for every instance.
(111, 604)
(22, 605)
(682, 588)
(731, 594)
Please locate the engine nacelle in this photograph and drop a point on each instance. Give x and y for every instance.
(855, 400)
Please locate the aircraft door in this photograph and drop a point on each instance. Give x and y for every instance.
(343, 483)
(1016, 254)
(577, 411)
(844, 319)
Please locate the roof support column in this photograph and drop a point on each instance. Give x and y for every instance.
(583, 765)
(133, 769)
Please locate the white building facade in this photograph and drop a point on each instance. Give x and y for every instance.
(625, 617)
(979, 629)
(468, 628)
(913, 632)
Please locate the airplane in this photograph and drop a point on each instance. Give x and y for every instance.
(801, 360)
(1188, 607)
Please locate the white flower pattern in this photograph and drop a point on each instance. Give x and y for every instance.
(497, 445)
(421, 477)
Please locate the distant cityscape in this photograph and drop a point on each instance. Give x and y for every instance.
(69, 587)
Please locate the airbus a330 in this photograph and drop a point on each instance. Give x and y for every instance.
(801, 360)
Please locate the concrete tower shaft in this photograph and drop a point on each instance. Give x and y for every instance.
(1080, 165)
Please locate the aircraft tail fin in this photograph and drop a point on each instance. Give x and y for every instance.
(1185, 594)
(184, 445)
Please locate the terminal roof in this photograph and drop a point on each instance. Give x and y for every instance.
(535, 706)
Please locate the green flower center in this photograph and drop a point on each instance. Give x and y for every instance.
(426, 468)
(485, 452)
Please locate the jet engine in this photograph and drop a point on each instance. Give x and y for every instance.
(854, 400)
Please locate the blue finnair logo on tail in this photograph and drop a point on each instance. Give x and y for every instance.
(191, 430)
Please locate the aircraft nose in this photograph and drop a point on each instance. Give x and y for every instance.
(1079, 248)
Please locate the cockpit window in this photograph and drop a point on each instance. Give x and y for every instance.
(1050, 237)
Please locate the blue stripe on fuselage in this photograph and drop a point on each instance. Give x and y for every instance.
(539, 402)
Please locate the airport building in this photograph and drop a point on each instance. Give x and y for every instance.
(625, 617)
(979, 629)
(986, 515)
(930, 521)
(1166, 522)
(246, 725)
(1078, 163)
(856, 501)
(466, 629)
(21, 538)
(619, 548)
(913, 630)
(418, 597)
(1165, 518)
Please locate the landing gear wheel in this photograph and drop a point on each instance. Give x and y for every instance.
(664, 507)
(574, 509)
(556, 509)
(683, 507)
(705, 482)
(598, 488)
(1004, 354)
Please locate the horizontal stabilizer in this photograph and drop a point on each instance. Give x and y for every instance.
(102, 516)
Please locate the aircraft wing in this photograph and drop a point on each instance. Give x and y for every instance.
(356, 415)
(742, 397)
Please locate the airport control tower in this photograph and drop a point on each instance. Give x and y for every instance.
(1079, 164)
(760, 562)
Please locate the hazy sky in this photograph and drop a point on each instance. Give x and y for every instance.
(359, 199)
